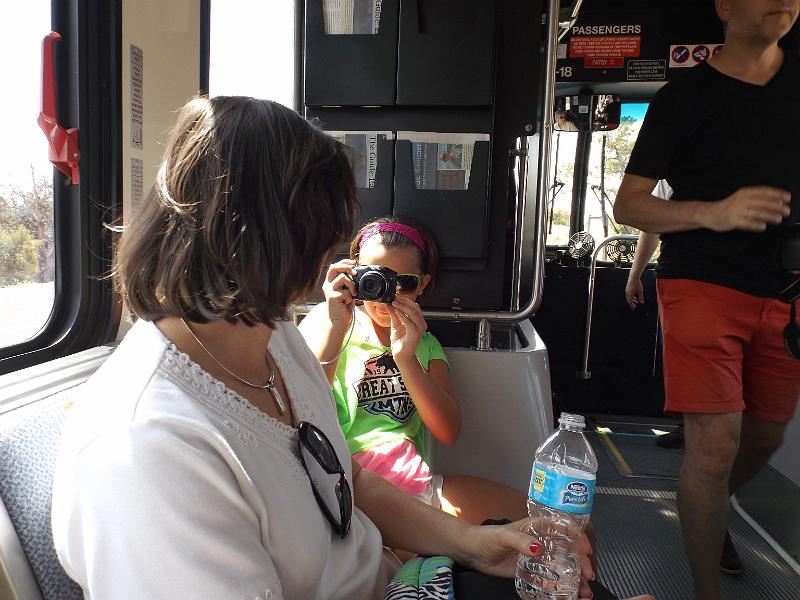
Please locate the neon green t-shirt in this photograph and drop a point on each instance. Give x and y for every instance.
(372, 403)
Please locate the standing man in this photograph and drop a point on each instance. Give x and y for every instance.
(734, 178)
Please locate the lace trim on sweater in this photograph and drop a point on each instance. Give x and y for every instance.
(184, 371)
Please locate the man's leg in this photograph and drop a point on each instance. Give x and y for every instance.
(712, 442)
(758, 442)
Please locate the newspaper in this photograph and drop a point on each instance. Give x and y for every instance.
(364, 155)
(442, 161)
(347, 17)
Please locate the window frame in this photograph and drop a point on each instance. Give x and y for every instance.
(86, 309)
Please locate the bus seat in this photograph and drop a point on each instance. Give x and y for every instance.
(506, 412)
(29, 439)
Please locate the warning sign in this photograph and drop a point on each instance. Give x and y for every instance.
(605, 46)
(647, 70)
(700, 53)
(678, 55)
(689, 55)
(604, 63)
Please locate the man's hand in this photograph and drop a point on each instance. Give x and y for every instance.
(634, 292)
(748, 209)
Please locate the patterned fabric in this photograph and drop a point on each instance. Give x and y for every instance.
(423, 579)
(29, 439)
(372, 402)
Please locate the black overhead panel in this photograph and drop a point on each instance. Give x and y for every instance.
(438, 73)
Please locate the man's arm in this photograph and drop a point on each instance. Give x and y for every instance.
(645, 247)
(748, 209)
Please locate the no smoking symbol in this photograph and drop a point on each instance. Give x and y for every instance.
(680, 54)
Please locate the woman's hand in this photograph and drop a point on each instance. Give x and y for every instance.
(634, 292)
(339, 290)
(408, 326)
(493, 549)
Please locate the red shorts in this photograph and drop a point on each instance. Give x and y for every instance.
(724, 352)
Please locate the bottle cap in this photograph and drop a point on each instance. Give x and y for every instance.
(572, 421)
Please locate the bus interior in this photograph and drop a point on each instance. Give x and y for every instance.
(529, 304)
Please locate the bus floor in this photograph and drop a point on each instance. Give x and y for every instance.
(639, 545)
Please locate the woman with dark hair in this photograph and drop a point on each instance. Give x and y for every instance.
(204, 459)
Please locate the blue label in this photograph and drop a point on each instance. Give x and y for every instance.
(562, 492)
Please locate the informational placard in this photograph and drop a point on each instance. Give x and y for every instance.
(633, 46)
(646, 70)
(137, 97)
(137, 184)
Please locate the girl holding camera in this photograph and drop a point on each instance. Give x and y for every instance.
(390, 377)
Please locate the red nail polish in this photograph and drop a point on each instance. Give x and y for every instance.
(535, 547)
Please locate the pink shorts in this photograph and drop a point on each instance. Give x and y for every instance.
(724, 352)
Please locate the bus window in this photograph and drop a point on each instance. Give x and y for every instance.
(255, 33)
(27, 250)
(562, 163)
(607, 161)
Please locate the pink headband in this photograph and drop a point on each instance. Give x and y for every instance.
(404, 230)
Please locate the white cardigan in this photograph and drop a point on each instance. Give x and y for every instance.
(170, 485)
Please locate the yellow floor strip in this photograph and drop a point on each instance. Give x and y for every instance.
(617, 454)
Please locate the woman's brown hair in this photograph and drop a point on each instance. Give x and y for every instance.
(249, 201)
(428, 261)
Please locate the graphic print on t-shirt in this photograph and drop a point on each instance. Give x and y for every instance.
(382, 392)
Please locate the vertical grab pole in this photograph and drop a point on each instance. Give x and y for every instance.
(585, 373)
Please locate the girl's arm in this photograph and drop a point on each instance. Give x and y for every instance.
(326, 326)
(431, 391)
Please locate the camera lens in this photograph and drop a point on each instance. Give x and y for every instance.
(372, 286)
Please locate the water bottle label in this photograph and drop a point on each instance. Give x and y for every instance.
(562, 492)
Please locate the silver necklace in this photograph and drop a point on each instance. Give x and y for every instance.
(268, 385)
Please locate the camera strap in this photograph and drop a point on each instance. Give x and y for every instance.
(791, 334)
(791, 292)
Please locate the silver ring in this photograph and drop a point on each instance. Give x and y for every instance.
(746, 212)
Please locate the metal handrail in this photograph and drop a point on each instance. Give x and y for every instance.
(485, 317)
(586, 373)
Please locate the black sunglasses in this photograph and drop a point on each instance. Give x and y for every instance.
(315, 445)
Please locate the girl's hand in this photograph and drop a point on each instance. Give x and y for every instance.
(339, 290)
(493, 549)
(407, 328)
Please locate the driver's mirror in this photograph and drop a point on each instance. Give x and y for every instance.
(607, 111)
(565, 121)
(585, 112)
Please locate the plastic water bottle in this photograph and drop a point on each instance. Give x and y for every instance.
(561, 490)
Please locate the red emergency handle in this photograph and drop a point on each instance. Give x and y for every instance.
(63, 152)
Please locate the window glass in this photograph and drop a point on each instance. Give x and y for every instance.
(562, 163)
(252, 50)
(27, 252)
(607, 161)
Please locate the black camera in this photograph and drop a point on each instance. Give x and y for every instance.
(375, 284)
(790, 250)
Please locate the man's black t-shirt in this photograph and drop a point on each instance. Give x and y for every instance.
(708, 135)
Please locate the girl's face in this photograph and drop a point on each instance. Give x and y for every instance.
(403, 260)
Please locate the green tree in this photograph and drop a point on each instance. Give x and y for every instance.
(18, 256)
(619, 145)
(32, 208)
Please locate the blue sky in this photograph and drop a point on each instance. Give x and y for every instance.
(635, 111)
